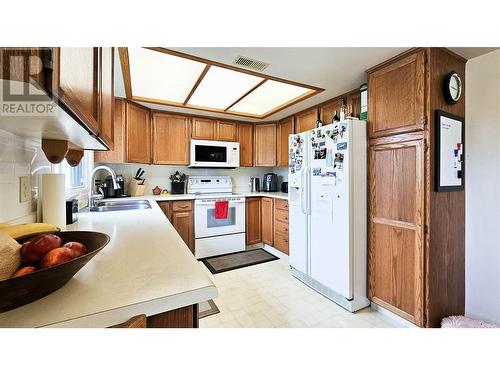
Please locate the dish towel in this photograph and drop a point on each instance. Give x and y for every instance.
(221, 209)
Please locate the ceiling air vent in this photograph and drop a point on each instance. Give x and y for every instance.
(247, 62)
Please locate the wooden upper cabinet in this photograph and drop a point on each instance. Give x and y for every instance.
(226, 131)
(138, 134)
(77, 79)
(267, 217)
(265, 145)
(283, 130)
(306, 120)
(107, 96)
(396, 96)
(253, 220)
(245, 137)
(117, 155)
(327, 110)
(353, 102)
(170, 139)
(396, 218)
(203, 128)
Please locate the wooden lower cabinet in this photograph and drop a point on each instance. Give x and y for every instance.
(281, 231)
(181, 215)
(396, 225)
(183, 317)
(253, 221)
(267, 215)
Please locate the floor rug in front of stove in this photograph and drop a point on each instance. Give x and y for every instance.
(246, 258)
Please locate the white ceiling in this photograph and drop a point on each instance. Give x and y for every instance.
(335, 69)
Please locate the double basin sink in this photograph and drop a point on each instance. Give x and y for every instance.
(141, 204)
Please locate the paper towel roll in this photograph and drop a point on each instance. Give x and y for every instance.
(53, 199)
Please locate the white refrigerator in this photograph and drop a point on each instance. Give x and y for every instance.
(327, 182)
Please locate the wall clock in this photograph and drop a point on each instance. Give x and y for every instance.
(452, 87)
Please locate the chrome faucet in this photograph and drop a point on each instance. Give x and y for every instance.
(94, 198)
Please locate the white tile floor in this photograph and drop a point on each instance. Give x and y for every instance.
(267, 296)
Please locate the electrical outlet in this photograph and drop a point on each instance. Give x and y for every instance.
(24, 189)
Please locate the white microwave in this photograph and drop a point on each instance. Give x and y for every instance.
(214, 154)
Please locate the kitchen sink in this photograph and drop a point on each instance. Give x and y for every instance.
(121, 206)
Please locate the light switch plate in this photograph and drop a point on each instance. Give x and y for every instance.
(24, 189)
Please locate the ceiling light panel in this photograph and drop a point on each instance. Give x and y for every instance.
(157, 75)
(222, 87)
(270, 95)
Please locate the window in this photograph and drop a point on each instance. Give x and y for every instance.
(76, 177)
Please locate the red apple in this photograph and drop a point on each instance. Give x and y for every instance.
(39, 246)
(24, 270)
(77, 247)
(57, 256)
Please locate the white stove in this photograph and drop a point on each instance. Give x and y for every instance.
(216, 236)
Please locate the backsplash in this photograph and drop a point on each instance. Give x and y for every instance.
(158, 175)
(19, 157)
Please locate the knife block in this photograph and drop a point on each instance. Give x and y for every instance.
(134, 189)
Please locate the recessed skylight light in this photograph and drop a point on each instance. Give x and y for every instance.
(222, 87)
(162, 76)
(268, 96)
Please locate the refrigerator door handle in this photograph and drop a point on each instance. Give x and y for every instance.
(308, 192)
(302, 188)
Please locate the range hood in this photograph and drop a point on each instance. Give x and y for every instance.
(22, 118)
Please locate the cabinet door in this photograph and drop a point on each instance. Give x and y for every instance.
(138, 134)
(225, 131)
(265, 145)
(184, 225)
(396, 96)
(353, 102)
(327, 110)
(253, 220)
(245, 137)
(396, 213)
(78, 83)
(284, 129)
(203, 128)
(267, 215)
(117, 155)
(107, 96)
(306, 120)
(170, 139)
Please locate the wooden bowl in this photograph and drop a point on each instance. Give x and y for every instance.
(21, 290)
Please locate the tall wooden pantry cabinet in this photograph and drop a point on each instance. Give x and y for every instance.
(416, 250)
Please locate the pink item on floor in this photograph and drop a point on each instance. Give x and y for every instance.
(464, 322)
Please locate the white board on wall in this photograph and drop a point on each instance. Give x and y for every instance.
(449, 152)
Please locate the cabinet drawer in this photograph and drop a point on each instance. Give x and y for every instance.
(182, 205)
(281, 226)
(281, 215)
(281, 242)
(281, 204)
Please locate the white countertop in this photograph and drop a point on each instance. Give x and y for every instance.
(179, 197)
(145, 269)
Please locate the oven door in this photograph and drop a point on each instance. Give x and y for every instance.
(206, 225)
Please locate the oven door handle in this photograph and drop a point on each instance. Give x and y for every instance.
(212, 203)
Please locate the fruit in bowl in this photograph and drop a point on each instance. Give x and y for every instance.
(24, 271)
(57, 256)
(38, 246)
(77, 248)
